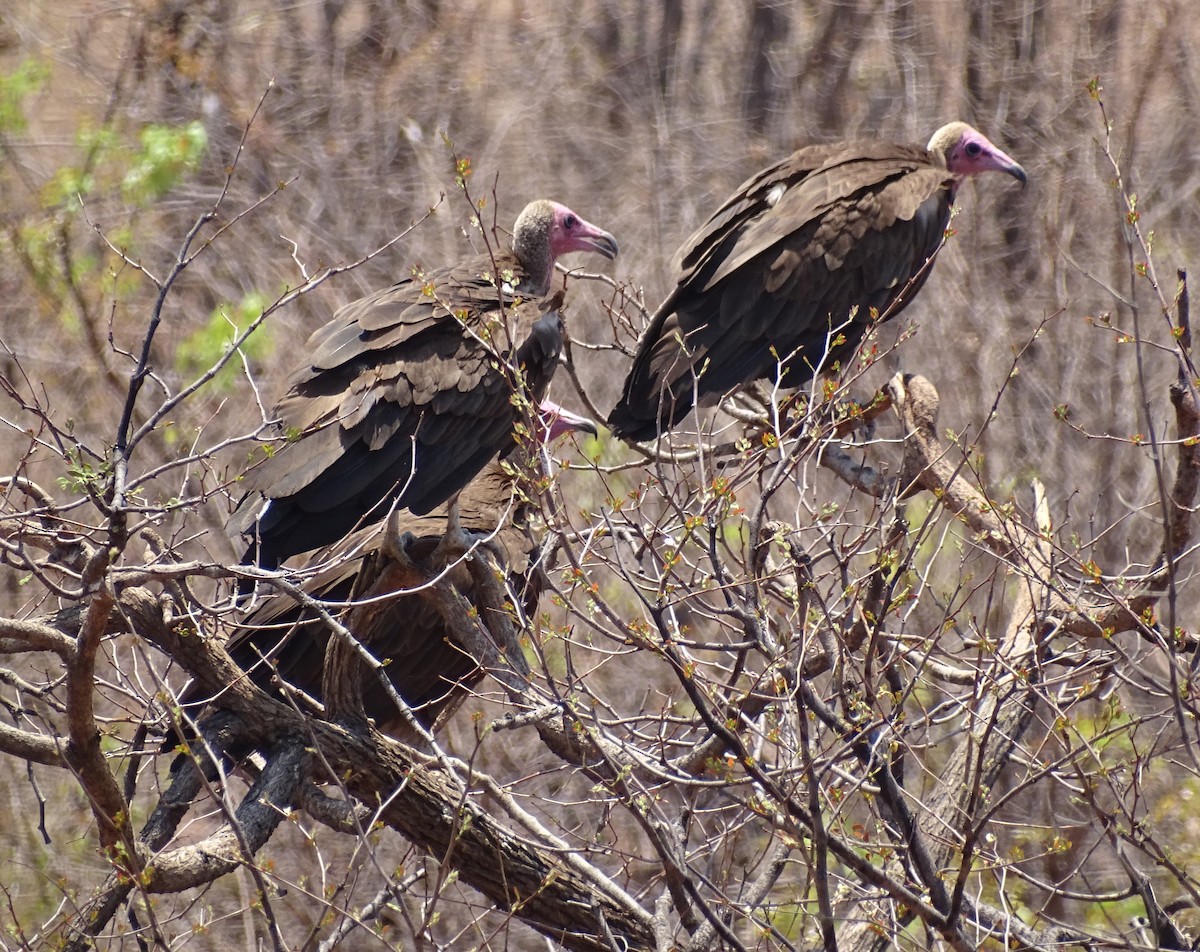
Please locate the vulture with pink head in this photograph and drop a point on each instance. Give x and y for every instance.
(285, 642)
(411, 391)
(787, 275)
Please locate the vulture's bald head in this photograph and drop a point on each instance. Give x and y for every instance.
(544, 231)
(967, 151)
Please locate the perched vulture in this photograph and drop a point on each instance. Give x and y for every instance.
(784, 279)
(411, 391)
(427, 668)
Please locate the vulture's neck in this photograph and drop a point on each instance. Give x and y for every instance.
(538, 271)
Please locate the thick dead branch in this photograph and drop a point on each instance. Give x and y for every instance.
(30, 746)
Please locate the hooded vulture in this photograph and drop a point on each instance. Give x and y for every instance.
(428, 669)
(787, 275)
(408, 393)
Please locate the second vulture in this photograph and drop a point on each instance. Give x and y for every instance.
(409, 392)
(787, 275)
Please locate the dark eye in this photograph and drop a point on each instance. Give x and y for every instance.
(570, 222)
(974, 149)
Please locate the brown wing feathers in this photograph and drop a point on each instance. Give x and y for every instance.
(796, 260)
(405, 414)
(773, 278)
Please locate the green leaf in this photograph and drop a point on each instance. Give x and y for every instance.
(15, 87)
(198, 353)
(168, 155)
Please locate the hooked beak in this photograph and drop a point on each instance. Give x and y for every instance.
(559, 421)
(601, 242)
(1014, 169)
(997, 160)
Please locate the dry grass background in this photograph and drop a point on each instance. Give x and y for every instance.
(641, 117)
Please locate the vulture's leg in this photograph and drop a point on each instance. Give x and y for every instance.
(456, 541)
